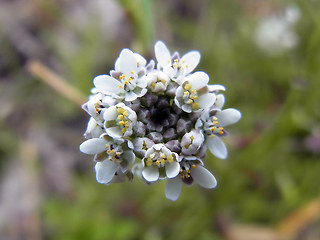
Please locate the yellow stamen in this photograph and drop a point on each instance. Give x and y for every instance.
(170, 158)
(188, 86)
(195, 106)
(186, 93)
(194, 91)
(149, 162)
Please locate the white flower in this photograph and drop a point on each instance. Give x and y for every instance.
(191, 142)
(159, 162)
(129, 61)
(193, 95)
(131, 81)
(190, 170)
(213, 123)
(119, 120)
(111, 156)
(166, 118)
(94, 130)
(141, 145)
(158, 81)
(275, 34)
(173, 65)
(97, 105)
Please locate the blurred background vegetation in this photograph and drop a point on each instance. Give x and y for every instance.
(268, 188)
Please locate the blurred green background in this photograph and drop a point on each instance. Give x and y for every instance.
(48, 188)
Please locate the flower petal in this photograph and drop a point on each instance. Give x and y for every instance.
(128, 62)
(128, 156)
(114, 132)
(220, 99)
(191, 59)
(151, 173)
(216, 87)
(173, 188)
(198, 80)
(162, 53)
(217, 147)
(228, 116)
(141, 61)
(130, 96)
(93, 146)
(110, 113)
(107, 84)
(105, 171)
(206, 100)
(172, 169)
(203, 177)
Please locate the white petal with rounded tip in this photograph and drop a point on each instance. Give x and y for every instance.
(206, 100)
(141, 61)
(217, 147)
(114, 132)
(220, 99)
(165, 150)
(105, 171)
(173, 188)
(162, 53)
(216, 87)
(130, 96)
(93, 146)
(179, 92)
(191, 60)
(198, 80)
(151, 173)
(107, 84)
(128, 62)
(228, 116)
(203, 177)
(172, 169)
(158, 146)
(110, 113)
(187, 108)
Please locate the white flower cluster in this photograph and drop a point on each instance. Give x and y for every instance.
(156, 122)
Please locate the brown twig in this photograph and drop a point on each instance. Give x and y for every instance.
(36, 68)
(299, 219)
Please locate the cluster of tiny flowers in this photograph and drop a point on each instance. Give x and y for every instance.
(156, 121)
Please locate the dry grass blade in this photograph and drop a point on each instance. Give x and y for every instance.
(36, 68)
